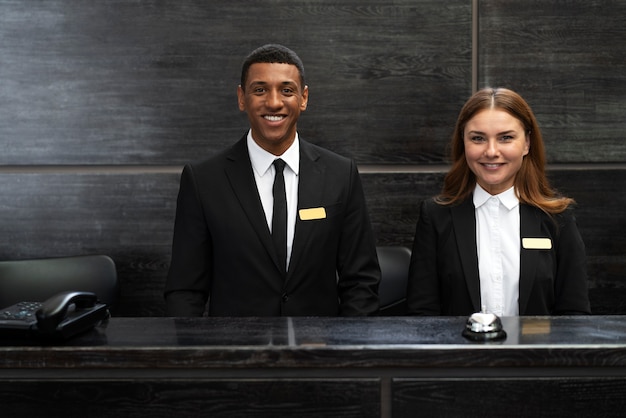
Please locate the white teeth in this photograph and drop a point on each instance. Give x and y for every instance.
(492, 165)
(273, 118)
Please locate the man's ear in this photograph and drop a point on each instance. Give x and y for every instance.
(240, 98)
(305, 98)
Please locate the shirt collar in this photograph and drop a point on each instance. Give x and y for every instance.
(262, 160)
(508, 198)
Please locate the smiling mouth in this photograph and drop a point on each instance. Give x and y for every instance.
(491, 165)
(273, 118)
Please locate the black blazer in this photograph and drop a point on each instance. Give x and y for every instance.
(222, 247)
(444, 277)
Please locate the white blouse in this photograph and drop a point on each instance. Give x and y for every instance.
(498, 245)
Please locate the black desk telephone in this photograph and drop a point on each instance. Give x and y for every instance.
(62, 316)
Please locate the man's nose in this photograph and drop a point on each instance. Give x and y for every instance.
(273, 99)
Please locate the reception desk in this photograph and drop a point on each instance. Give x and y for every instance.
(320, 367)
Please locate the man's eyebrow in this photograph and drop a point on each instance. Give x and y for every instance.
(284, 83)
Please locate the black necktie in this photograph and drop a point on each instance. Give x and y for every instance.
(279, 218)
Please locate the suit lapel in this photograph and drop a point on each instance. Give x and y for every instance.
(464, 221)
(241, 178)
(310, 189)
(530, 226)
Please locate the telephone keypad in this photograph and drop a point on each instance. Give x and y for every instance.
(20, 312)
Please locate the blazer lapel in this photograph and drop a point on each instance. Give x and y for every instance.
(530, 227)
(311, 185)
(464, 221)
(241, 178)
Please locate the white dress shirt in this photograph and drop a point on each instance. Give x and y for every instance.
(498, 244)
(264, 173)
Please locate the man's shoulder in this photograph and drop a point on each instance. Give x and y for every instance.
(315, 152)
(219, 158)
(213, 160)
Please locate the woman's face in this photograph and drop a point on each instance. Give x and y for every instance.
(495, 145)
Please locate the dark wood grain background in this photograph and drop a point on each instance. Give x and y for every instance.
(102, 102)
(567, 58)
(154, 82)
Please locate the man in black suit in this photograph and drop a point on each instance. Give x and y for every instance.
(224, 248)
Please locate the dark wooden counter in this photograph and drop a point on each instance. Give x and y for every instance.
(312, 367)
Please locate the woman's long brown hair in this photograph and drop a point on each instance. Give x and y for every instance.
(531, 184)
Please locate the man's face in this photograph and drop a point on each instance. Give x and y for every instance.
(273, 99)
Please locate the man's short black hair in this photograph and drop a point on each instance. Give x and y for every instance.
(272, 53)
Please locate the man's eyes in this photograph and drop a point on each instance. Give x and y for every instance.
(262, 90)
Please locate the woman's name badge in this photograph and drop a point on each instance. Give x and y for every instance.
(312, 214)
(537, 243)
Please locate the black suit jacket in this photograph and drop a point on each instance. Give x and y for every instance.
(222, 248)
(444, 277)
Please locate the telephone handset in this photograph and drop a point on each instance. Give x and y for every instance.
(62, 316)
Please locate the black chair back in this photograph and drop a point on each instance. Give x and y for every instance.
(39, 279)
(394, 266)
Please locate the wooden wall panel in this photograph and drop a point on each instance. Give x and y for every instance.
(154, 82)
(394, 204)
(567, 59)
(130, 217)
(495, 397)
(220, 398)
(600, 218)
(126, 216)
(101, 103)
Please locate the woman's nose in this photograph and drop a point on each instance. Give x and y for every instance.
(492, 148)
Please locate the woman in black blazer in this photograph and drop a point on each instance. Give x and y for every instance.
(497, 238)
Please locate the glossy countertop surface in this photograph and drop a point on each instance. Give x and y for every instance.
(345, 332)
(331, 342)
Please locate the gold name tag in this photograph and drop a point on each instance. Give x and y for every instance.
(537, 243)
(312, 213)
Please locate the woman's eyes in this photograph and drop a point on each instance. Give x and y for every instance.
(503, 138)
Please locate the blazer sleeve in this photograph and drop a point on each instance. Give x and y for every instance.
(423, 295)
(357, 268)
(571, 285)
(188, 279)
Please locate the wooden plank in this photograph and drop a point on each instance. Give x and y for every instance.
(567, 59)
(496, 397)
(145, 82)
(130, 217)
(394, 200)
(306, 398)
(126, 216)
(600, 218)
